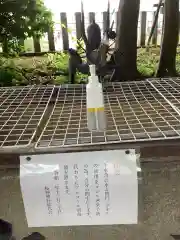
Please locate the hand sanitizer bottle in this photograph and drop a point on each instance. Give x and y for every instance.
(96, 117)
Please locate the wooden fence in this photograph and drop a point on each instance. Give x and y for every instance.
(65, 35)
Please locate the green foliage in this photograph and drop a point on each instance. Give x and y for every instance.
(10, 74)
(147, 61)
(81, 78)
(15, 47)
(61, 80)
(21, 19)
(58, 61)
(37, 70)
(178, 62)
(40, 19)
(24, 71)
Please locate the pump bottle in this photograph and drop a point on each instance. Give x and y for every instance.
(96, 117)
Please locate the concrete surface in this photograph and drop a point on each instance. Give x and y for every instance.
(159, 209)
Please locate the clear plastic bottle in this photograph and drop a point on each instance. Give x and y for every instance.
(96, 117)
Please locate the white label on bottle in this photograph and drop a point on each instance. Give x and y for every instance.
(85, 188)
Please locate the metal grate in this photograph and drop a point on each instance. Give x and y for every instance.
(21, 110)
(170, 89)
(135, 112)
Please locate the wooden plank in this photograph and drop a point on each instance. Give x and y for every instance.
(78, 24)
(155, 34)
(37, 45)
(64, 28)
(51, 39)
(143, 29)
(105, 14)
(91, 17)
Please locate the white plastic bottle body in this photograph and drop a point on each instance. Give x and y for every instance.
(101, 120)
(91, 121)
(96, 117)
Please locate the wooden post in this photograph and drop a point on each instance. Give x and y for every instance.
(117, 22)
(105, 14)
(37, 45)
(179, 22)
(51, 40)
(154, 38)
(143, 29)
(162, 10)
(64, 28)
(78, 24)
(91, 17)
(162, 31)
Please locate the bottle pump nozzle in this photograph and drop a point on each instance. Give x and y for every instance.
(92, 69)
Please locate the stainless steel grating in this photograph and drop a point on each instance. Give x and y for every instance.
(170, 89)
(21, 110)
(135, 112)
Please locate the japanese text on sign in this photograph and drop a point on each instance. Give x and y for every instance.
(80, 189)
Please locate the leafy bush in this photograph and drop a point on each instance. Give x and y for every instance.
(58, 61)
(28, 18)
(14, 47)
(53, 68)
(61, 80)
(41, 70)
(10, 74)
(147, 61)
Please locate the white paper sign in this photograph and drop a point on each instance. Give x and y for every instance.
(85, 188)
